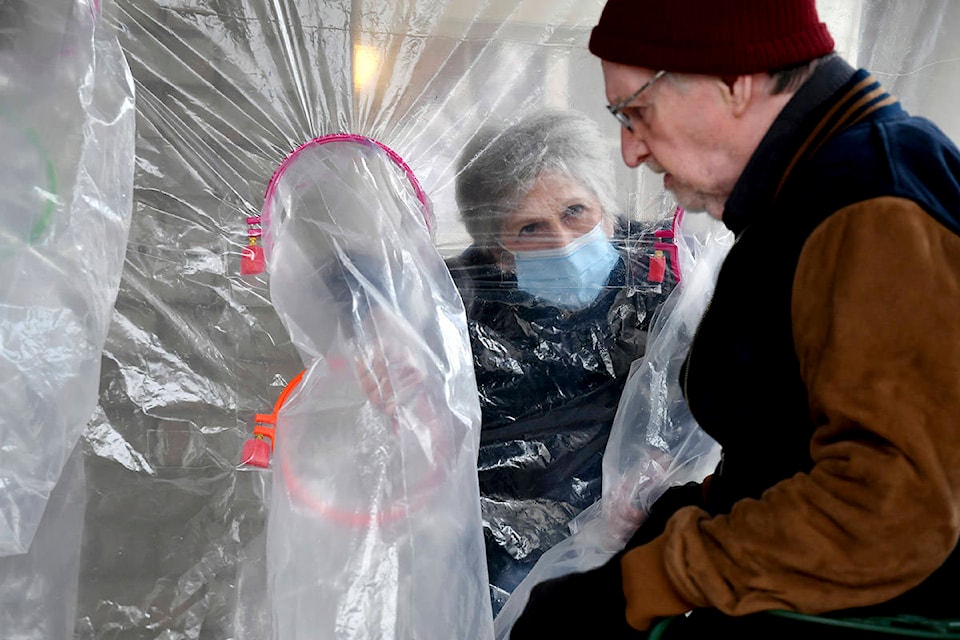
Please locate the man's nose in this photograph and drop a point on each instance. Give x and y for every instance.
(633, 147)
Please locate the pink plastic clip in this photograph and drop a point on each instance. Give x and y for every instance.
(666, 243)
(252, 260)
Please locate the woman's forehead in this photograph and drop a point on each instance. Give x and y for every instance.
(550, 195)
(554, 184)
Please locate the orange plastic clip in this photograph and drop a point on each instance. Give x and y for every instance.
(256, 451)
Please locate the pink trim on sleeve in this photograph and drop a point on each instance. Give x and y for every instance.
(349, 137)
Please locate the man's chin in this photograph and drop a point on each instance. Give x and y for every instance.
(695, 202)
(713, 212)
(686, 200)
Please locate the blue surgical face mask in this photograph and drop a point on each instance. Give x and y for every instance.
(571, 276)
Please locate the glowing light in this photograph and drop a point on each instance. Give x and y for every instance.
(366, 62)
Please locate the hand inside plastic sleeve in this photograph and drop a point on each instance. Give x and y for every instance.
(627, 505)
(390, 371)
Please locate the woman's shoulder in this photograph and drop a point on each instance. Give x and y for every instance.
(473, 266)
(472, 256)
(481, 282)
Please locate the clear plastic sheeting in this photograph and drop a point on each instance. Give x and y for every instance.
(374, 528)
(911, 50)
(550, 381)
(655, 443)
(174, 533)
(67, 130)
(38, 589)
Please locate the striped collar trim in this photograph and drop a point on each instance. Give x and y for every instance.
(864, 97)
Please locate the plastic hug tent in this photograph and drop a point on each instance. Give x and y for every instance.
(169, 534)
(179, 538)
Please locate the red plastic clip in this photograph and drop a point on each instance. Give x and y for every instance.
(658, 267)
(666, 241)
(256, 453)
(251, 258)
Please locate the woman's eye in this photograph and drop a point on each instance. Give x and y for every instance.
(574, 210)
(529, 229)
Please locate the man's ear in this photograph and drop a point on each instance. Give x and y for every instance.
(738, 90)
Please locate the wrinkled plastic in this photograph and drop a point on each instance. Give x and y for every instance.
(374, 527)
(174, 541)
(655, 443)
(66, 179)
(66, 175)
(38, 598)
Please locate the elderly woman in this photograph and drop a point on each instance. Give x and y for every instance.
(559, 292)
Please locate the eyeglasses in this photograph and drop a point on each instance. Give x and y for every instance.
(617, 109)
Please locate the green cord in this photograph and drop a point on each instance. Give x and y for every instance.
(46, 215)
(658, 629)
(40, 227)
(903, 626)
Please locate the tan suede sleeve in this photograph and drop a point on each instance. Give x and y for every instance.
(876, 310)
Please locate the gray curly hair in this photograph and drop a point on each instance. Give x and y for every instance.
(499, 167)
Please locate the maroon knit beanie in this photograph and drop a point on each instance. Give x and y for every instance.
(713, 37)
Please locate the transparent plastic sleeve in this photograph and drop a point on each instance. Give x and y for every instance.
(374, 528)
(654, 442)
(67, 128)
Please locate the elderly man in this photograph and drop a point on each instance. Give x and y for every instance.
(828, 363)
